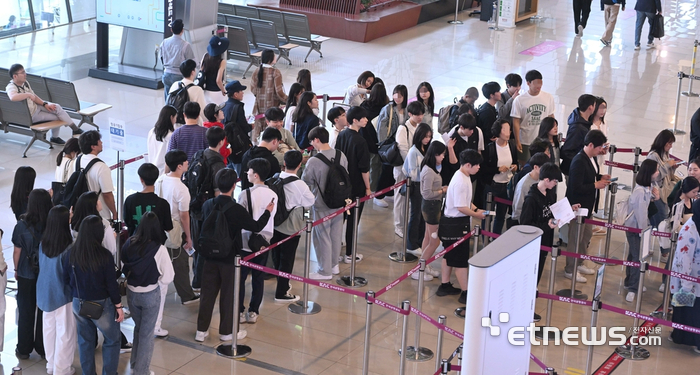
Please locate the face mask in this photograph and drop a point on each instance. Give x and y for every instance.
(315, 111)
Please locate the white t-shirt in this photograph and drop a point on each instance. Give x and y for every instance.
(531, 110)
(157, 150)
(196, 94)
(99, 180)
(296, 193)
(504, 159)
(65, 170)
(354, 95)
(261, 196)
(459, 194)
(595, 165)
(173, 190)
(333, 135)
(288, 118)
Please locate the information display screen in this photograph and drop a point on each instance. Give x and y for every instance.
(139, 14)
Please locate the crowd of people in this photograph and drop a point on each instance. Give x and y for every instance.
(73, 264)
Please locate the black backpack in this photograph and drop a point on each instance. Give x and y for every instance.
(338, 186)
(239, 141)
(199, 181)
(77, 183)
(215, 241)
(276, 184)
(178, 98)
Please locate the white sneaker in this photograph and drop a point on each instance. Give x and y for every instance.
(650, 46)
(585, 270)
(637, 47)
(200, 336)
(662, 287)
(432, 271)
(417, 252)
(160, 332)
(580, 30)
(348, 259)
(242, 333)
(71, 371)
(252, 317)
(630, 296)
(226, 337)
(579, 278)
(399, 232)
(318, 276)
(643, 290)
(242, 318)
(380, 203)
(426, 276)
(335, 270)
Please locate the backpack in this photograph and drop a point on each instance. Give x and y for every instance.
(276, 184)
(239, 141)
(622, 212)
(447, 116)
(215, 241)
(338, 187)
(178, 98)
(199, 181)
(77, 183)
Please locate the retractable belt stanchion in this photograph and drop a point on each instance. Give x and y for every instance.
(477, 233)
(304, 306)
(573, 293)
(325, 102)
(675, 129)
(550, 290)
(445, 367)
(17, 370)
(633, 351)
(416, 353)
(637, 153)
(456, 21)
(402, 256)
(495, 17)
(368, 332)
(550, 371)
(354, 281)
(611, 215)
(487, 220)
(690, 92)
(604, 213)
(459, 354)
(406, 305)
(594, 324)
(667, 288)
(234, 350)
(442, 319)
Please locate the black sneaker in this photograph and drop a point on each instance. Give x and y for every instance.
(287, 298)
(447, 289)
(57, 140)
(20, 355)
(78, 131)
(462, 297)
(126, 348)
(537, 318)
(193, 300)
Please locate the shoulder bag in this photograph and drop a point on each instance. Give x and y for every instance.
(88, 309)
(388, 150)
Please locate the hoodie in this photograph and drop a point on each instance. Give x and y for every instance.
(536, 212)
(145, 272)
(253, 153)
(575, 135)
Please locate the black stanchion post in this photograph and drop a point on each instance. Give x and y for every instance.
(637, 152)
(354, 281)
(445, 366)
(368, 332)
(490, 206)
(477, 233)
(611, 216)
(594, 324)
(406, 306)
(120, 183)
(442, 319)
(402, 256)
(416, 352)
(633, 351)
(234, 350)
(573, 293)
(304, 306)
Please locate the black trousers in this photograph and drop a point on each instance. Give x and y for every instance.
(416, 224)
(283, 259)
(582, 9)
(217, 276)
(386, 179)
(29, 320)
(198, 260)
(350, 231)
(257, 282)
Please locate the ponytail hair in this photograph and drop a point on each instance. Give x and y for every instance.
(268, 56)
(70, 147)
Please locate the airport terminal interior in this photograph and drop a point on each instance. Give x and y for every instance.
(640, 87)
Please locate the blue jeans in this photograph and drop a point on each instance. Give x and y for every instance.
(168, 80)
(144, 310)
(638, 27)
(632, 273)
(87, 340)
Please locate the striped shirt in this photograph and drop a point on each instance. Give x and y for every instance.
(189, 138)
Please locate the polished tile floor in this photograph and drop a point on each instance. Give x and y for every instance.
(640, 87)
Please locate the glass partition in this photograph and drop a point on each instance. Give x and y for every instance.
(81, 9)
(48, 13)
(14, 18)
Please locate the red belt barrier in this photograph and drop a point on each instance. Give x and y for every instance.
(504, 201)
(436, 324)
(274, 245)
(128, 161)
(613, 226)
(624, 149)
(336, 97)
(619, 165)
(564, 299)
(383, 191)
(453, 368)
(675, 274)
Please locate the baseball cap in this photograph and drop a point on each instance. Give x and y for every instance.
(234, 86)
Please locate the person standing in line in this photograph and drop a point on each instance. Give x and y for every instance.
(326, 237)
(500, 162)
(522, 186)
(338, 118)
(412, 168)
(646, 9)
(65, 160)
(304, 79)
(582, 9)
(159, 136)
(611, 9)
(214, 67)
(665, 180)
(529, 108)
(194, 93)
(465, 135)
(585, 183)
(298, 197)
(22, 185)
(487, 112)
(295, 91)
(147, 267)
(137, 204)
(274, 117)
(388, 121)
(19, 89)
(234, 118)
(305, 118)
(215, 117)
(26, 238)
(53, 295)
(549, 132)
(266, 84)
(513, 84)
(579, 125)
(377, 100)
(99, 177)
(173, 52)
(354, 147)
(190, 137)
(426, 96)
(270, 141)
(432, 191)
(89, 269)
(357, 92)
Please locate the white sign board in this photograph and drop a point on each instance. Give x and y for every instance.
(117, 135)
(506, 13)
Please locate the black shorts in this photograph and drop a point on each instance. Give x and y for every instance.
(431, 210)
(452, 229)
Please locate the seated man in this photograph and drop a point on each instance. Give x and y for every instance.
(18, 89)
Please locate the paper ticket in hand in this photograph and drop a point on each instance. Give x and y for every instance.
(562, 212)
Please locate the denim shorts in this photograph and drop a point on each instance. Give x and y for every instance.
(432, 210)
